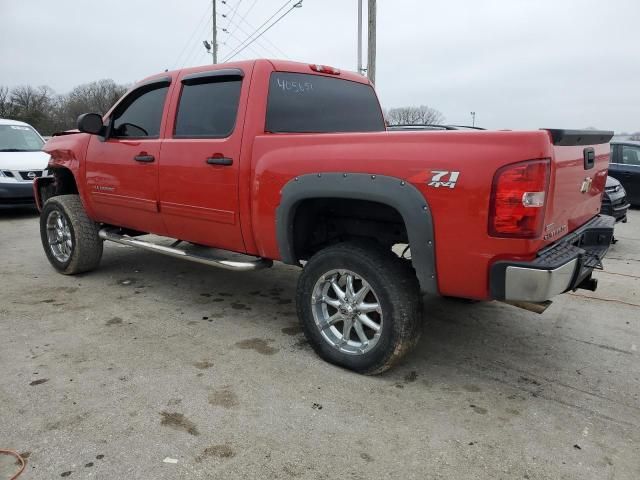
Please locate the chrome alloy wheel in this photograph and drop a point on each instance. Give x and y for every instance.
(59, 236)
(347, 311)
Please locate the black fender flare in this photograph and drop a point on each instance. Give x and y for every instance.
(391, 191)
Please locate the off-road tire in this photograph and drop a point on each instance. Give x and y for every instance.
(396, 286)
(86, 250)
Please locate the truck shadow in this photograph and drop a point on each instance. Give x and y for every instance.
(17, 213)
(454, 331)
(465, 347)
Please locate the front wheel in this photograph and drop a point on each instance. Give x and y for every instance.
(70, 238)
(360, 306)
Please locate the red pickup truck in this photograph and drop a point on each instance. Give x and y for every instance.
(292, 162)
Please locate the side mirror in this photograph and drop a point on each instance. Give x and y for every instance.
(90, 123)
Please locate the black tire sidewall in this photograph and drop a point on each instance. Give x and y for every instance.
(383, 287)
(50, 206)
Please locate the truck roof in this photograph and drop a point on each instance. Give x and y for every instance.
(278, 65)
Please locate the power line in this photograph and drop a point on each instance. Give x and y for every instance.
(204, 16)
(266, 22)
(231, 31)
(250, 41)
(270, 51)
(233, 14)
(233, 35)
(265, 38)
(197, 47)
(250, 8)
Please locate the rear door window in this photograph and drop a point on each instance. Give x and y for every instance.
(306, 103)
(208, 108)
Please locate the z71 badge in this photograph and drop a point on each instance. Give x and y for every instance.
(443, 178)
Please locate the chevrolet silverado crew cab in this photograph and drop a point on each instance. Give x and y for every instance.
(292, 162)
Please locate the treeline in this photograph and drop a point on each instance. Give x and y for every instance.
(414, 116)
(49, 112)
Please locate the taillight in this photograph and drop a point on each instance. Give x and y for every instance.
(324, 69)
(517, 199)
(599, 181)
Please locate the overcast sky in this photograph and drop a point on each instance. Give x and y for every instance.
(517, 63)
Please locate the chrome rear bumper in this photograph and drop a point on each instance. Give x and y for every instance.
(536, 285)
(560, 267)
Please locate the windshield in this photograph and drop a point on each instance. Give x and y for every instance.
(19, 138)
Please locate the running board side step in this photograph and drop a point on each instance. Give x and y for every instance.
(257, 264)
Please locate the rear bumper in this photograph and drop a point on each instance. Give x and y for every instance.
(558, 268)
(19, 193)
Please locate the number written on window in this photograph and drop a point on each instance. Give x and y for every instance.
(294, 86)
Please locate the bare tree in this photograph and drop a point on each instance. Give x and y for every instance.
(34, 106)
(94, 97)
(50, 113)
(414, 115)
(635, 137)
(6, 107)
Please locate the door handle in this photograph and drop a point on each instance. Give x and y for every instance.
(144, 158)
(220, 161)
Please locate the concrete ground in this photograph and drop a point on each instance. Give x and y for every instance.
(107, 374)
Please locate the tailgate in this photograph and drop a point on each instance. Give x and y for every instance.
(578, 176)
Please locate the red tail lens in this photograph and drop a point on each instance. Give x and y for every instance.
(518, 199)
(599, 181)
(324, 69)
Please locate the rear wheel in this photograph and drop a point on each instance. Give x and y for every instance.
(70, 238)
(360, 306)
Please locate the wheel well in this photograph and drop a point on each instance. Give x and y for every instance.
(319, 222)
(63, 183)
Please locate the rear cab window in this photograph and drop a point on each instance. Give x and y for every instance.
(307, 103)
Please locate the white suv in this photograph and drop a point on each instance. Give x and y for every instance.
(21, 160)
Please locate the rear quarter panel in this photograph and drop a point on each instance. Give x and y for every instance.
(464, 249)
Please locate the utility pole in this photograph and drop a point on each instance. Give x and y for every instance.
(473, 119)
(215, 35)
(371, 52)
(360, 37)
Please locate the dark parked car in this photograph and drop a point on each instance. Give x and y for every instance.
(614, 200)
(625, 166)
